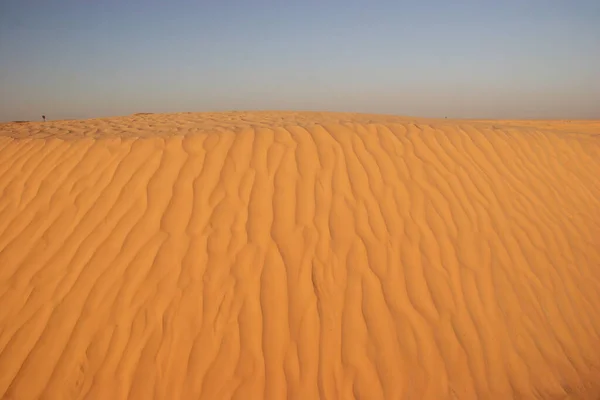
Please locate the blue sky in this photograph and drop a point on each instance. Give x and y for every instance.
(471, 59)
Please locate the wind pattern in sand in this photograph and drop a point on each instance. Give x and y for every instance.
(299, 255)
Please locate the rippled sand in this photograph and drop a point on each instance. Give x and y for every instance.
(299, 255)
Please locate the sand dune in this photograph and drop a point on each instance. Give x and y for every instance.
(299, 255)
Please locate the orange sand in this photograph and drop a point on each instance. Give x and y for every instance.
(299, 255)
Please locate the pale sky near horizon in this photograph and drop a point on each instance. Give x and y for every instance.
(463, 59)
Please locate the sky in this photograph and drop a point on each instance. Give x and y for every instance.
(457, 59)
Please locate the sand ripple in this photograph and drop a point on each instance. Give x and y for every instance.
(299, 255)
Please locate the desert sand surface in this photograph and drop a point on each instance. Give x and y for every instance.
(299, 255)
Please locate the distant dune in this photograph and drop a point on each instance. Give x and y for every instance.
(299, 255)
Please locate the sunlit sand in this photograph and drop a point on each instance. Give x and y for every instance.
(299, 255)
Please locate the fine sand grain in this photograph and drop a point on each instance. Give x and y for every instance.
(299, 255)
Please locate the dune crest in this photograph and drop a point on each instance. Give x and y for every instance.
(299, 255)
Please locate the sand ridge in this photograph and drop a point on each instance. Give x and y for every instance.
(299, 255)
